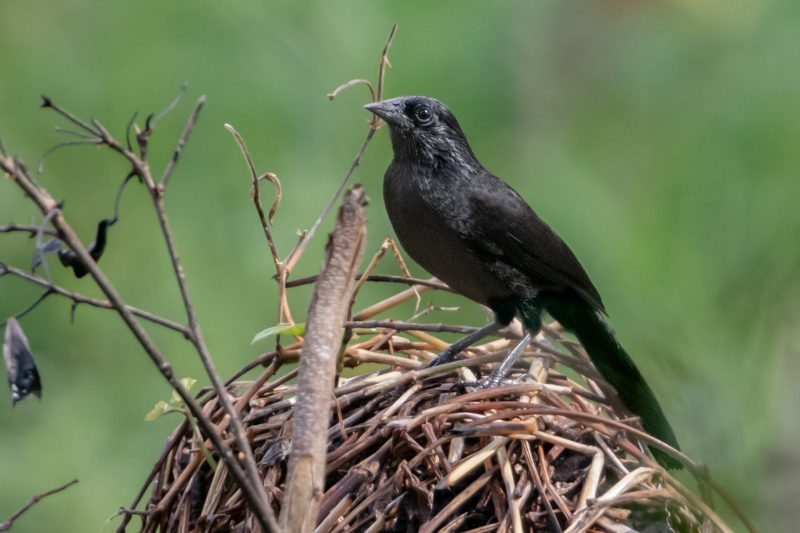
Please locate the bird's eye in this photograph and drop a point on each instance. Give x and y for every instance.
(424, 115)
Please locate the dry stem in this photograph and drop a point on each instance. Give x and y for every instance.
(5, 526)
(327, 311)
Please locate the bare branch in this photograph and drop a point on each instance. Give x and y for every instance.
(73, 133)
(171, 106)
(291, 261)
(374, 125)
(128, 130)
(5, 526)
(251, 483)
(254, 493)
(46, 102)
(350, 84)
(255, 193)
(411, 326)
(281, 274)
(379, 278)
(385, 61)
(119, 195)
(251, 472)
(185, 137)
(31, 307)
(80, 299)
(33, 230)
(64, 145)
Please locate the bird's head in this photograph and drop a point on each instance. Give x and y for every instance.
(424, 130)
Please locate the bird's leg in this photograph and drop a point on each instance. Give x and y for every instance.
(450, 353)
(497, 377)
(531, 311)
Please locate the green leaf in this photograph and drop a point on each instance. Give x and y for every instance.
(297, 329)
(187, 383)
(160, 410)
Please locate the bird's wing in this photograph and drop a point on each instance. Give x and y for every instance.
(512, 233)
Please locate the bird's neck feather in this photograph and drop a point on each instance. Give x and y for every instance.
(435, 156)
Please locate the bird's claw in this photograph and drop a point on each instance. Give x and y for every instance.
(441, 359)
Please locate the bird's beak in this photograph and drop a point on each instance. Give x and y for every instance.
(387, 110)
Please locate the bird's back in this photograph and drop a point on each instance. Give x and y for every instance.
(509, 231)
(477, 234)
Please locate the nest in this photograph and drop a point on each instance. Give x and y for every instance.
(412, 449)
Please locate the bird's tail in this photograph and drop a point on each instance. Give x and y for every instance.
(575, 314)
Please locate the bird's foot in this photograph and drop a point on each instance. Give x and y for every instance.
(447, 356)
(494, 380)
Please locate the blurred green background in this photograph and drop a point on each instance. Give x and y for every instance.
(660, 139)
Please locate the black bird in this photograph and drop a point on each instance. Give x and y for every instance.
(473, 231)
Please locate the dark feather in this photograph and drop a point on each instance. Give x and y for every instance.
(524, 241)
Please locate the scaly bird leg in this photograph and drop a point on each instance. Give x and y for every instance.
(496, 378)
(450, 353)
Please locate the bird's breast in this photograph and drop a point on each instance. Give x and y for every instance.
(422, 225)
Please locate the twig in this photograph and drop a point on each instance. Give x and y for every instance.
(33, 230)
(30, 308)
(388, 242)
(404, 326)
(731, 503)
(256, 195)
(280, 271)
(81, 299)
(291, 261)
(125, 181)
(350, 83)
(184, 137)
(549, 486)
(526, 448)
(128, 130)
(370, 267)
(374, 125)
(254, 493)
(174, 439)
(171, 106)
(378, 278)
(64, 145)
(46, 102)
(390, 302)
(250, 470)
(5, 526)
(382, 68)
(73, 133)
(254, 488)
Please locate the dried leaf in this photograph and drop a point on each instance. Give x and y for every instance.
(50, 247)
(23, 377)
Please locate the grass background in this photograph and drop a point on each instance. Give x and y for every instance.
(658, 138)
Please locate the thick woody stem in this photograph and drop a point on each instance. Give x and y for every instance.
(326, 316)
